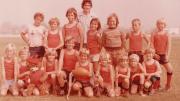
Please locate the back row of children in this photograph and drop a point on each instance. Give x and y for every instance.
(56, 60)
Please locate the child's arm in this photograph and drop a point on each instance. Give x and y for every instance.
(169, 46)
(146, 39)
(159, 70)
(123, 38)
(16, 69)
(3, 70)
(45, 40)
(43, 64)
(152, 40)
(61, 60)
(24, 37)
(61, 40)
(81, 34)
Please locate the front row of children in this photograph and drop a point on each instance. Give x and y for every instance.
(74, 73)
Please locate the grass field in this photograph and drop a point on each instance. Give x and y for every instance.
(172, 95)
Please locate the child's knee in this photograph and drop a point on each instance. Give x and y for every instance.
(3, 92)
(36, 92)
(77, 87)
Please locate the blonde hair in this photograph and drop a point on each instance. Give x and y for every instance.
(23, 50)
(149, 50)
(50, 52)
(161, 20)
(10, 46)
(54, 20)
(104, 55)
(134, 57)
(84, 51)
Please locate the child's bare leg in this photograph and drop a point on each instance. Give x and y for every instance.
(134, 88)
(141, 86)
(169, 70)
(36, 92)
(125, 86)
(77, 87)
(14, 90)
(4, 91)
(88, 91)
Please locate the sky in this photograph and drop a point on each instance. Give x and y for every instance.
(17, 13)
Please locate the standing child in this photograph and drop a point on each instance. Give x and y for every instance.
(105, 75)
(122, 75)
(94, 41)
(152, 71)
(83, 74)
(161, 42)
(53, 37)
(112, 38)
(9, 69)
(24, 71)
(50, 66)
(67, 62)
(85, 17)
(73, 28)
(136, 37)
(33, 35)
(136, 75)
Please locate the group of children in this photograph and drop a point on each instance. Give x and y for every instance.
(59, 61)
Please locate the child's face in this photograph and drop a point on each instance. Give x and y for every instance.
(10, 53)
(54, 25)
(149, 56)
(136, 26)
(87, 7)
(83, 57)
(38, 20)
(51, 57)
(71, 16)
(112, 23)
(104, 61)
(24, 56)
(160, 25)
(133, 62)
(123, 62)
(94, 25)
(70, 44)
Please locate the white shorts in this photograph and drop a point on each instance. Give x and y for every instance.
(95, 57)
(7, 84)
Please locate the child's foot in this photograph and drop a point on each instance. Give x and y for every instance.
(62, 93)
(152, 92)
(167, 88)
(141, 93)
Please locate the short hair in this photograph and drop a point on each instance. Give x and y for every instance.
(39, 14)
(24, 49)
(162, 20)
(86, 1)
(50, 52)
(115, 16)
(10, 46)
(84, 51)
(149, 50)
(134, 57)
(52, 20)
(136, 19)
(98, 21)
(72, 10)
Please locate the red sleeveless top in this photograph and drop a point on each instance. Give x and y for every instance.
(69, 61)
(160, 43)
(53, 40)
(9, 70)
(73, 31)
(120, 79)
(50, 68)
(35, 77)
(135, 42)
(151, 68)
(23, 69)
(135, 70)
(105, 74)
(92, 42)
